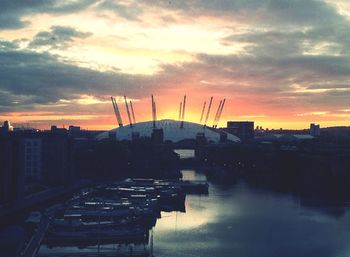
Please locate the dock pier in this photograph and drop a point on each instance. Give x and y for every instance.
(136, 253)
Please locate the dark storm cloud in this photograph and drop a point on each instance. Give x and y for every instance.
(297, 42)
(6, 99)
(8, 45)
(130, 11)
(13, 11)
(57, 37)
(271, 42)
(10, 21)
(298, 68)
(28, 78)
(268, 80)
(274, 12)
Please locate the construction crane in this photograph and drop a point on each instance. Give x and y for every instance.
(154, 112)
(200, 121)
(116, 112)
(132, 112)
(183, 112)
(127, 110)
(206, 118)
(217, 114)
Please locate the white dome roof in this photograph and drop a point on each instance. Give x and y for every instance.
(171, 130)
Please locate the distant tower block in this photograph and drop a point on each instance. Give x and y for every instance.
(6, 127)
(243, 129)
(315, 130)
(157, 135)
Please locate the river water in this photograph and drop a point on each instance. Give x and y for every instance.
(243, 221)
(240, 220)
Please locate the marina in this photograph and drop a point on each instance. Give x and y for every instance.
(117, 218)
(232, 220)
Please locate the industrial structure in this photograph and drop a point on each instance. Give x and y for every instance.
(173, 130)
(169, 130)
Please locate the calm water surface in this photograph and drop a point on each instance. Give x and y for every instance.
(242, 221)
(185, 153)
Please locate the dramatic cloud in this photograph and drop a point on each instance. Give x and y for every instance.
(275, 60)
(43, 79)
(57, 37)
(128, 10)
(272, 12)
(12, 12)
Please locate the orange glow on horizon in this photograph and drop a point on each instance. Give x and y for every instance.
(96, 113)
(169, 109)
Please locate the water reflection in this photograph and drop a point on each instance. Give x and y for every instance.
(244, 221)
(93, 250)
(193, 175)
(185, 153)
(194, 206)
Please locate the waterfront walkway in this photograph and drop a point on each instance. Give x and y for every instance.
(32, 247)
(34, 243)
(135, 253)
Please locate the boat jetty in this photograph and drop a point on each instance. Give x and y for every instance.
(120, 212)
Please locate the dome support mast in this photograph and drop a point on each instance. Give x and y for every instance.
(200, 121)
(127, 110)
(219, 114)
(180, 111)
(117, 112)
(132, 113)
(183, 112)
(208, 112)
(154, 112)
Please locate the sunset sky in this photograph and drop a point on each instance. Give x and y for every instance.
(280, 63)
